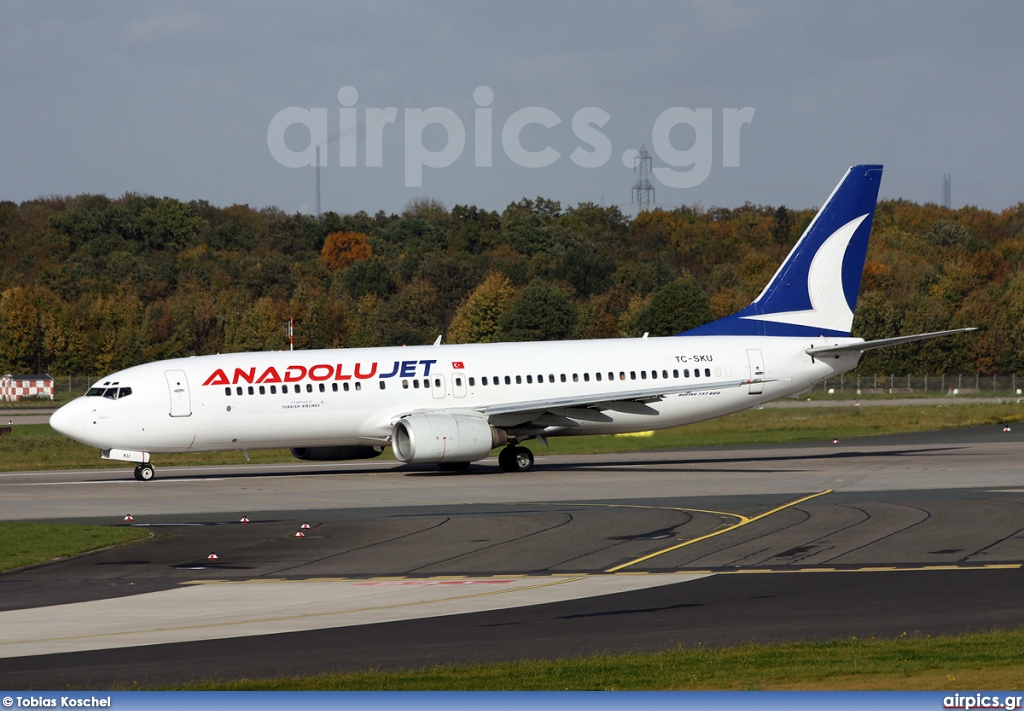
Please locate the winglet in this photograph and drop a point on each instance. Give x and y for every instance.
(814, 292)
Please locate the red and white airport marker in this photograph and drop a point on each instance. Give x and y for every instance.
(212, 556)
(245, 519)
(299, 534)
(129, 518)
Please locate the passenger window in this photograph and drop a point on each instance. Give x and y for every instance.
(322, 388)
(586, 377)
(575, 377)
(707, 372)
(675, 373)
(622, 375)
(483, 380)
(654, 375)
(508, 380)
(664, 374)
(472, 382)
(405, 385)
(238, 390)
(334, 387)
(284, 389)
(551, 377)
(263, 390)
(598, 376)
(251, 390)
(632, 375)
(344, 387)
(437, 382)
(227, 391)
(416, 384)
(458, 382)
(273, 390)
(359, 386)
(309, 387)
(643, 375)
(562, 377)
(382, 385)
(519, 380)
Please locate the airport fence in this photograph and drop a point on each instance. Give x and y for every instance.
(848, 384)
(944, 385)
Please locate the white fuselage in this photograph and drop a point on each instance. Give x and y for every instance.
(275, 399)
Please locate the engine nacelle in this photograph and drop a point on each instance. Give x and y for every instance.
(334, 454)
(444, 438)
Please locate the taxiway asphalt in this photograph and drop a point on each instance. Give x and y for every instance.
(920, 533)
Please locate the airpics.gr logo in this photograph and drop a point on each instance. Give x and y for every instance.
(683, 168)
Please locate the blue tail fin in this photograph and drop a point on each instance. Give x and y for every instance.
(815, 290)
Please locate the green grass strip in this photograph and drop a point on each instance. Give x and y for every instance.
(24, 544)
(910, 662)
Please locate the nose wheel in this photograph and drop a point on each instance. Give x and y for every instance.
(515, 459)
(145, 472)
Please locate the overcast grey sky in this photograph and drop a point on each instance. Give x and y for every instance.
(176, 98)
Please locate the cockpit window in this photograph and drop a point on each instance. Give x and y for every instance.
(112, 393)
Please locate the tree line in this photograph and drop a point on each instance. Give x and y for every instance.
(90, 284)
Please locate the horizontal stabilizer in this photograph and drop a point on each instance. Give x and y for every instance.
(881, 343)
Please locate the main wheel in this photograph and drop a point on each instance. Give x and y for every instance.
(515, 459)
(145, 472)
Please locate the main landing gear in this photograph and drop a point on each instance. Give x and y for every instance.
(515, 459)
(145, 472)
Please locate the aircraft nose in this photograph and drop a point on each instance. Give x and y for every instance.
(68, 420)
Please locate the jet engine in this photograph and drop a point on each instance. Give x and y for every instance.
(334, 454)
(444, 438)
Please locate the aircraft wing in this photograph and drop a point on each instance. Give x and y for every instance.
(567, 411)
(880, 343)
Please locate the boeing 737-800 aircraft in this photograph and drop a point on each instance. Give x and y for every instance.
(453, 404)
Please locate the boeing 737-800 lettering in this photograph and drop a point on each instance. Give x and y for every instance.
(453, 404)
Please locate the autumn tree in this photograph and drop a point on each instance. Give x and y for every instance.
(342, 249)
(476, 321)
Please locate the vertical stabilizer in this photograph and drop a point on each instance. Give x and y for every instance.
(814, 292)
